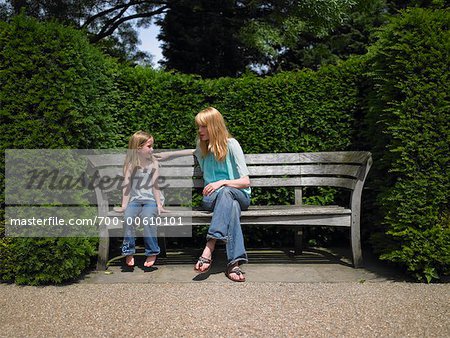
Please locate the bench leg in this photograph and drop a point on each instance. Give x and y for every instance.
(356, 244)
(356, 253)
(298, 237)
(162, 246)
(103, 250)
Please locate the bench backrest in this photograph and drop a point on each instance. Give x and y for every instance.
(335, 169)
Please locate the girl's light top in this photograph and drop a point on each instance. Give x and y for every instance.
(141, 185)
(233, 167)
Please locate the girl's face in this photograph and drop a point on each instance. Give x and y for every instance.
(203, 133)
(147, 148)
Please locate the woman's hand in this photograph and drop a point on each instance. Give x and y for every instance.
(166, 155)
(163, 156)
(240, 183)
(211, 187)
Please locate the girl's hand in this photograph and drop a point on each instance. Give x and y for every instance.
(162, 210)
(119, 209)
(210, 188)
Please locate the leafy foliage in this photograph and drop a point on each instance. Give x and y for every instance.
(110, 24)
(410, 108)
(61, 85)
(56, 91)
(201, 37)
(37, 261)
(351, 37)
(228, 38)
(289, 112)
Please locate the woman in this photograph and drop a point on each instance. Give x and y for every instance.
(226, 191)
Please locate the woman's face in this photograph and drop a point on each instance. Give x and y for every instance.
(203, 133)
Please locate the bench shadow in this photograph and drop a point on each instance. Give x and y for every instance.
(264, 256)
(139, 260)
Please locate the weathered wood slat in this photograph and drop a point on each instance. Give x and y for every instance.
(346, 183)
(270, 211)
(116, 160)
(273, 215)
(300, 170)
(106, 160)
(357, 157)
(110, 182)
(180, 171)
(255, 171)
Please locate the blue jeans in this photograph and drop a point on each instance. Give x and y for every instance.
(145, 211)
(227, 204)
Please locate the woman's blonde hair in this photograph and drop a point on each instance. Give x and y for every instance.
(217, 130)
(137, 141)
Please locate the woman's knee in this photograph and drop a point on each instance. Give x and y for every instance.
(226, 192)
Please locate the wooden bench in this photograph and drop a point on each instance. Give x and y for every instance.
(347, 170)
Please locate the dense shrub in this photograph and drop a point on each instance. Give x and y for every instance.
(161, 103)
(52, 80)
(290, 112)
(37, 261)
(56, 91)
(409, 115)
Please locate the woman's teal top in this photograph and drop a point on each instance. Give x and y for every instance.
(233, 167)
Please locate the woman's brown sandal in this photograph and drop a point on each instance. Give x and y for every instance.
(236, 270)
(203, 260)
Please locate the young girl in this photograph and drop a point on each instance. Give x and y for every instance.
(141, 199)
(226, 191)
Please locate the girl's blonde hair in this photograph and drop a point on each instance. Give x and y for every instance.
(137, 141)
(217, 130)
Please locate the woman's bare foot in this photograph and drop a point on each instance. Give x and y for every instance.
(150, 261)
(235, 273)
(202, 266)
(129, 261)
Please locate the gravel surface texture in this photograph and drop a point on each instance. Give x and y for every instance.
(381, 309)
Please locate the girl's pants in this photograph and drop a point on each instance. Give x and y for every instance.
(227, 204)
(140, 214)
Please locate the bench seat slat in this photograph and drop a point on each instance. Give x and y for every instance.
(281, 211)
(269, 215)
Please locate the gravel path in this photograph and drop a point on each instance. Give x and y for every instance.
(382, 309)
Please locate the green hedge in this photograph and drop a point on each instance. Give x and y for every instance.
(289, 112)
(41, 261)
(52, 80)
(56, 91)
(409, 115)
